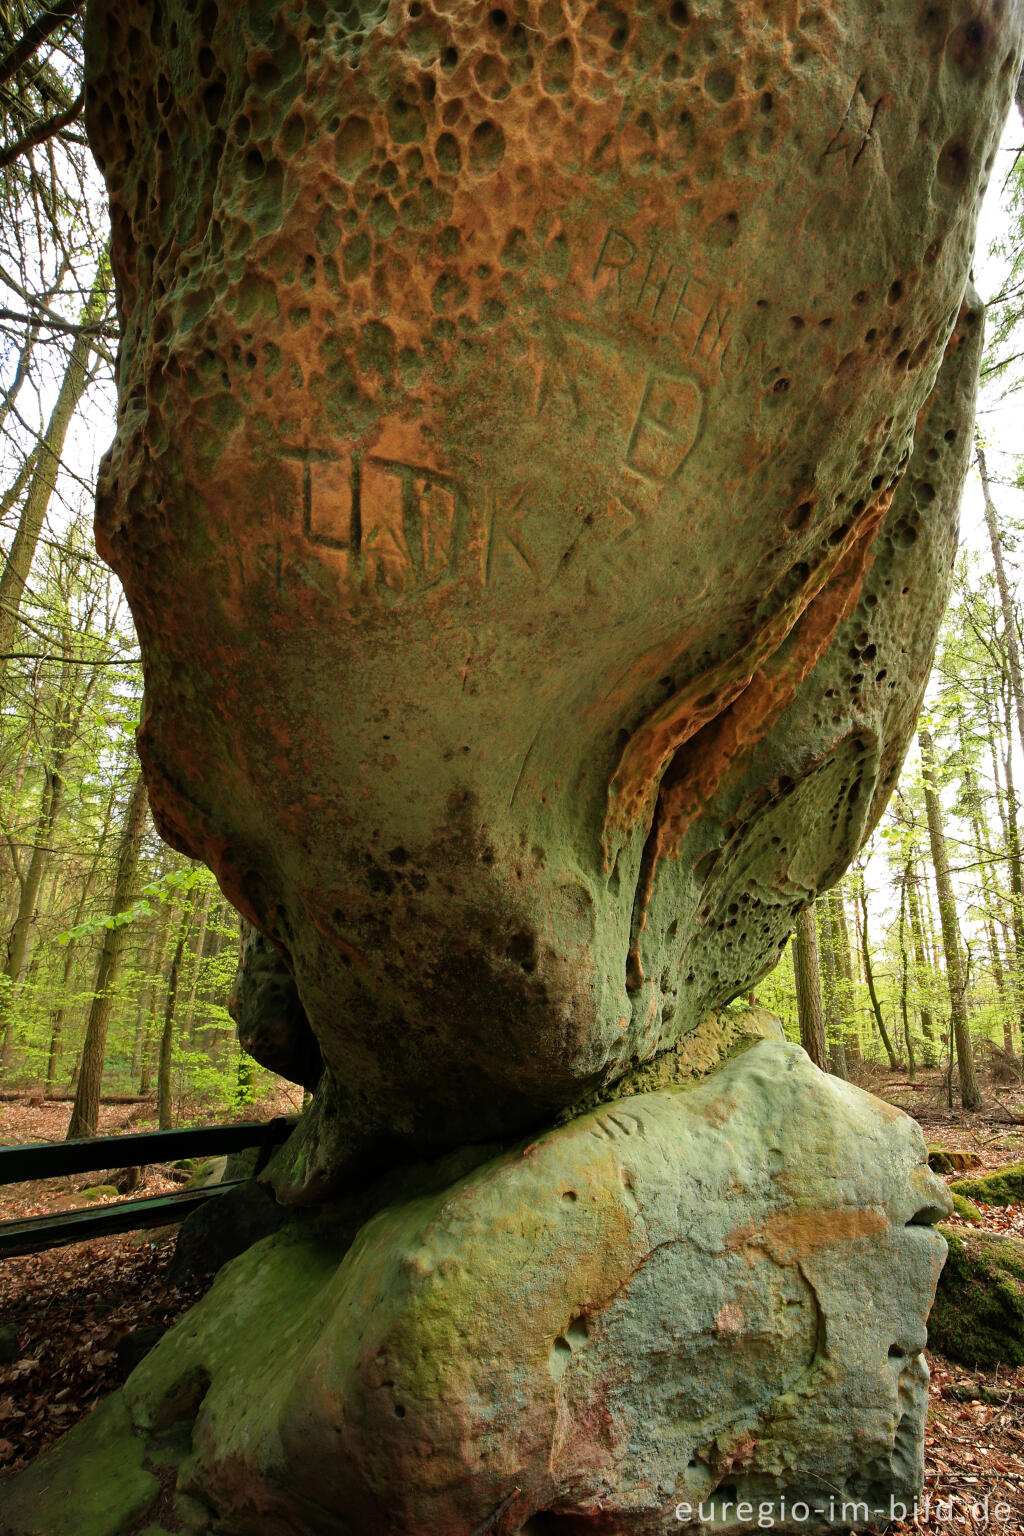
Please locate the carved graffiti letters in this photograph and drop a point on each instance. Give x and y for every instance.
(414, 525)
(667, 425)
(857, 129)
(403, 526)
(653, 283)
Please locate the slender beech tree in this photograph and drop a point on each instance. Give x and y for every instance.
(845, 995)
(146, 1064)
(869, 972)
(924, 1011)
(197, 962)
(1005, 596)
(43, 482)
(60, 1009)
(808, 990)
(163, 1081)
(970, 1093)
(834, 1027)
(1008, 994)
(904, 978)
(69, 707)
(86, 1111)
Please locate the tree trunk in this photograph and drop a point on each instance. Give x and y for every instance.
(845, 995)
(17, 946)
(44, 478)
(57, 1021)
(997, 743)
(145, 994)
(86, 1110)
(833, 1013)
(146, 1067)
(929, 917)
(60, 1011)
(1005, 596)
(970, 1094)
(921, 964)
(808, 990)
(979, 832)
(869, 976)
(904, 975)
(190, 1011)
(163, 1081)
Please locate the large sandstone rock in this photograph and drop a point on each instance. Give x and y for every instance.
(512, 401)
(541, 431)
(685, 1297)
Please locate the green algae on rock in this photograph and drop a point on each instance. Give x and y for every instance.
(91, 1483)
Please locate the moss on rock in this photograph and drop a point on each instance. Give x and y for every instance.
(720, 1036)
(1004, 1187)
(91, 1483)
(964, 1208)
(978, 1315)
(951, 1159)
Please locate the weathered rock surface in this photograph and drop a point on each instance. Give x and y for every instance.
(541, 431)
(684, 1296)
(512, 400)
(268, 1013)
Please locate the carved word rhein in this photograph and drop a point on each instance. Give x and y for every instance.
(654, 284)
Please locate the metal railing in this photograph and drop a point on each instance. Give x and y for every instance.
(56, 1159)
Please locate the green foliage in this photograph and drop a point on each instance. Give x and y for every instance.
(1005, 318)
(176, 882)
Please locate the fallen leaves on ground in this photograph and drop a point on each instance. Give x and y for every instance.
(72, 1307)
(974, 1451)
(1007, 1220)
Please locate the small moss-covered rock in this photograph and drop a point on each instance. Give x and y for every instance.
(978, 1315)
(1004, 1187)
(965, 1208)
(99, 1192)
(92, 1483)
(951, 1159)
(209, 1171)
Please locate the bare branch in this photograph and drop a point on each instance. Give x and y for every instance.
(35, 35)
(48, 128)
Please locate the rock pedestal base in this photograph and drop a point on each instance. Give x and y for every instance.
(687, 1309)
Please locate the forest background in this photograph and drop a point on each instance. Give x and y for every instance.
(118, 953)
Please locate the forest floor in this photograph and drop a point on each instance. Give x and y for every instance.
(974, 1445)
(81, 1314)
